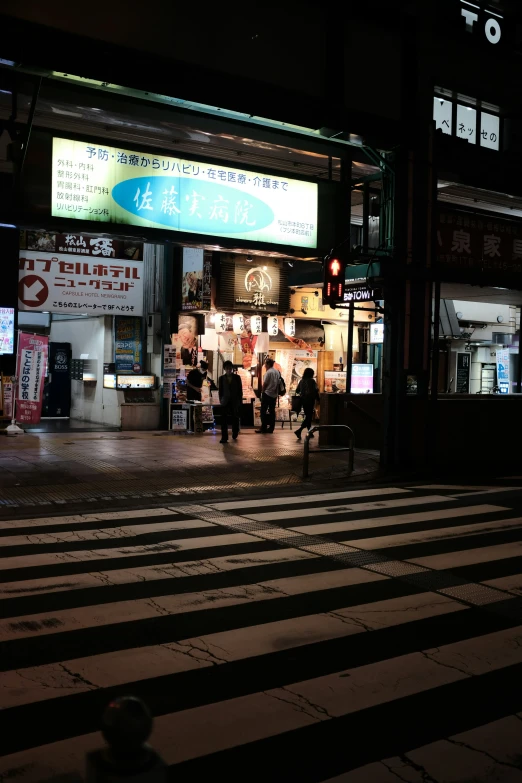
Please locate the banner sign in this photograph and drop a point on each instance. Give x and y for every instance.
(474, 241)
(7, 401)
(30, 370)
(503, 370)
(58, 283)
(127, 345)
(82, 244)
(6, 330)
(114, 185)
(192, 282)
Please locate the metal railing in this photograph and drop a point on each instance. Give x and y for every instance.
(350, 448)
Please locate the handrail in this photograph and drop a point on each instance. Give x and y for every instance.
(350, 448)
(361, 410)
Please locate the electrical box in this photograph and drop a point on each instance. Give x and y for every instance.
(154, 340)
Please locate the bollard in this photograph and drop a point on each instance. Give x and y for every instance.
(126, 727)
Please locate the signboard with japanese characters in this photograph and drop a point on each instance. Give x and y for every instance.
(464, 122)
(58, 283)
(475, 241)
(256, 287)
(31, 369)
(358, 293)
(82, 245)
(6, 330)
(114, 185)
(503, 370)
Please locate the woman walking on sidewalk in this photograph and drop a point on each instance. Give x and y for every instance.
(309, 393)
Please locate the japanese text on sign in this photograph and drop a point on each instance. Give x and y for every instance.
(119, 186)
(56, 282)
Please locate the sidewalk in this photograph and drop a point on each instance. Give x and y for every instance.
(62, 471)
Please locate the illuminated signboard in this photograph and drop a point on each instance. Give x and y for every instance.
(114, 185)
(6, 330)
(362, 379)
(135, 381)
(109, 381)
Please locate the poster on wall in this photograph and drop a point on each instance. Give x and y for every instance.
(116, 185)
(128, 347)
(6, 330)
(31, 369)
(335, 382)
(503, 370)
(376, 334)
(302, 360)
(188, 339)
(59, 283)
(463, 370)
(192, 281)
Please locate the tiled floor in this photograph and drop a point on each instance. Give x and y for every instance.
(50, 467)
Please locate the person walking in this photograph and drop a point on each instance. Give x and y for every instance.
(194, 382)
(309, 393)
(230, 398)
(269, 398)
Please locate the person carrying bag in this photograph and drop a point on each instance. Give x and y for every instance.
(308, 394)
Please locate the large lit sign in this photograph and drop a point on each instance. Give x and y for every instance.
(362, 379)
(114, 185)
(6, 330)
(135, 381)
(491, 21)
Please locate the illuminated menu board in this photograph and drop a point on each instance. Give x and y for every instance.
(135, 381)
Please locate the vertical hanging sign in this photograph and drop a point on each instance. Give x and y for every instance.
(31, 367)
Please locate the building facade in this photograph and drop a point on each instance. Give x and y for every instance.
(393, 130)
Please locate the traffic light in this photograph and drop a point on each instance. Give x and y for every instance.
(333, 280)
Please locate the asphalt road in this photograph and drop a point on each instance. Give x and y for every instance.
(370, 634)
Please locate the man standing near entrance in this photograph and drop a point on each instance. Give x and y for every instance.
(269, 397)
(230, 397)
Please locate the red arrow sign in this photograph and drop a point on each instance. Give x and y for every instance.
(32, 291)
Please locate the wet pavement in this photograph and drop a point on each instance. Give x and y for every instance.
(67, 469)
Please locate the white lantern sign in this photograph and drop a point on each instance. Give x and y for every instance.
(256, 324)
(238, 323)
(220, 322)
(290, 327)
(272, 325)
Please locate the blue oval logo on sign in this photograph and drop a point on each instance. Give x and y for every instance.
(186, 204)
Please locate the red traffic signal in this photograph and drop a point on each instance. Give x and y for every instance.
(333, 281)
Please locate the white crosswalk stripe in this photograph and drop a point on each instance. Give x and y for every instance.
(330, 613)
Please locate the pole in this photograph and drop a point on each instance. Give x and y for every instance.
(349, 350)
(366, 216)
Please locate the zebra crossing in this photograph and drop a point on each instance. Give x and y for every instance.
(364, 635)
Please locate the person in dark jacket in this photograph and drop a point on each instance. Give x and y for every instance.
(309, 393)
(230, 398)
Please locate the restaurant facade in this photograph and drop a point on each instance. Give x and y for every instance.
(210, 222)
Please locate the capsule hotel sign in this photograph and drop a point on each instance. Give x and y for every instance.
(114, 185)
